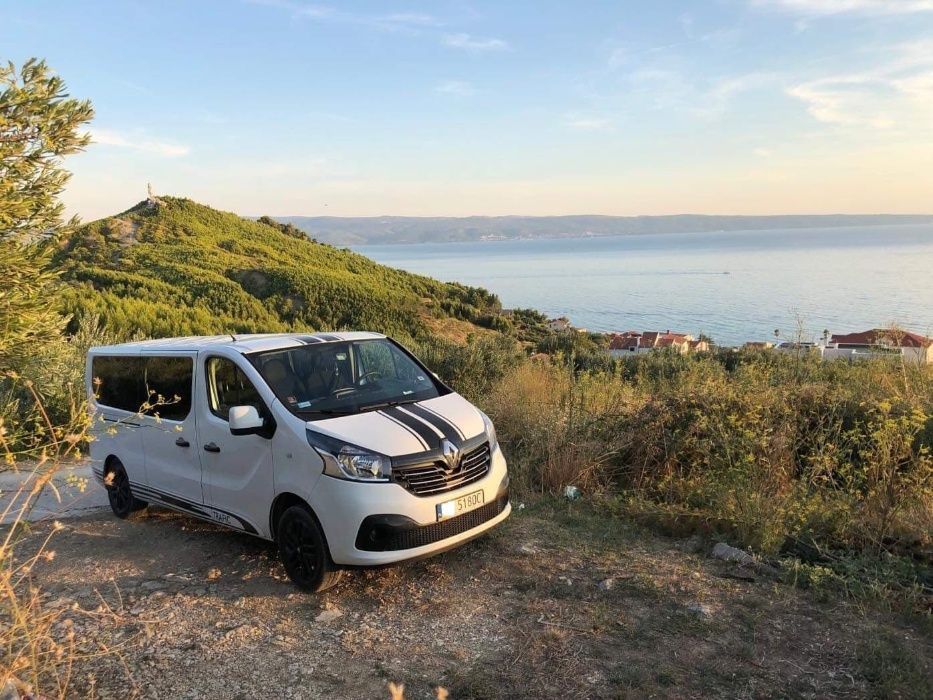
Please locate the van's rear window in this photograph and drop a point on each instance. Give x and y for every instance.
(120, 382)
(129, 383)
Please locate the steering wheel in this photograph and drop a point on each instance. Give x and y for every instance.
(364, 378)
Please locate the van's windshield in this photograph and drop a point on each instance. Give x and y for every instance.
(340, 378)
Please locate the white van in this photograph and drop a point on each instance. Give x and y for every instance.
(340, 447)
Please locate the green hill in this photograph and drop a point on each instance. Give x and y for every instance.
(177, 267)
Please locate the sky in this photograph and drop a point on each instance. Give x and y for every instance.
(449, 108)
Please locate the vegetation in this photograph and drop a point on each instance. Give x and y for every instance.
(38, 126)
(829, 463)
(175, 267)
(825, 465)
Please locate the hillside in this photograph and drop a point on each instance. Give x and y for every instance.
(412, 229)
(178, 267)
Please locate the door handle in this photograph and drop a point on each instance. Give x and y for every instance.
(181, 442)
(211, 447)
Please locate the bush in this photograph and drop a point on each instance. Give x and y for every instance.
(780, 454)
(472, 369)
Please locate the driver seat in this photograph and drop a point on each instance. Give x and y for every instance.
(282, 380)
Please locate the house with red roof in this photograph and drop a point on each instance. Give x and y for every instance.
(880, 342)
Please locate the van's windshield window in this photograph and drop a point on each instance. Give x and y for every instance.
(329, 379)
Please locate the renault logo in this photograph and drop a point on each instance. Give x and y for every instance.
(451, 455)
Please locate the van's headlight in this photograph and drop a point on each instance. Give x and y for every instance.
(490, 431)
(346, 461)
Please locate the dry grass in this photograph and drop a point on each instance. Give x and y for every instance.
(551, 420)
(775, 455)
(38, 646)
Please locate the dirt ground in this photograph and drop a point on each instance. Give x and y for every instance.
(559, 602)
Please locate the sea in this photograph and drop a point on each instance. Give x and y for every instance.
(733, 286)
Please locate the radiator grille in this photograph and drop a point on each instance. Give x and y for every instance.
(432, 478)
(376, 537)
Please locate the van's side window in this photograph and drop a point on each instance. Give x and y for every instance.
(227, 386)
(170, 378)
(119, 382)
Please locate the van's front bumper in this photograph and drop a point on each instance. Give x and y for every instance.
(375, 524)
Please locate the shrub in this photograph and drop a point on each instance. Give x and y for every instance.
(780, 454)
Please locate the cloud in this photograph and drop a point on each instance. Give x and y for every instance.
(715, 101)
(663, 89)
(392, 21)
(296, 8)
(138, 142)
(825, 8)
(845, 100)
(618, 56)
(413, 18)
(476, 44)
(587, 123)
(763, 152)
(456, 88)
(898, 93)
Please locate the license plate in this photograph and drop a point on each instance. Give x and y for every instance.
(459, 506)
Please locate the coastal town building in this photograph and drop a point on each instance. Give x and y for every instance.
(879, 342)
(758, 345)
(797, 347)
(560, 324)
(633, 342)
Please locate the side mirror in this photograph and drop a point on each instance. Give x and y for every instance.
(245, 420)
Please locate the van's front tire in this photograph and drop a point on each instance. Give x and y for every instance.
(119, 493)
(303, 551)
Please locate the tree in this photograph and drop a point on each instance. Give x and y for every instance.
(39, 125)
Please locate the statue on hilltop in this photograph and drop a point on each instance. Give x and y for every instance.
(151, 200)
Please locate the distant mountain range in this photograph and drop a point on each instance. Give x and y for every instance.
(410, 229)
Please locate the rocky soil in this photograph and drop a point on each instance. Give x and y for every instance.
(559, 602)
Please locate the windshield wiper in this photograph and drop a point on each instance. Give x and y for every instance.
(327, 411)
(351, 411)
(384, 404)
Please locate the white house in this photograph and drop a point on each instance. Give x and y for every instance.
(559, 324)
(880, 342)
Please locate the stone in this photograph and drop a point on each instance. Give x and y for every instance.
(328, 615)
(607, 584)
(154, 585)
(9, 691)
(693, 544)
(700, 610)
(727, 553)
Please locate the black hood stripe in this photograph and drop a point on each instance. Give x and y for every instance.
(424, 412)
(403, 425)
(427, 434)
(448, 429)
(437, 431)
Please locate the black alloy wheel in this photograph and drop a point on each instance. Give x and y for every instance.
(303, 551)
(119, 493)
